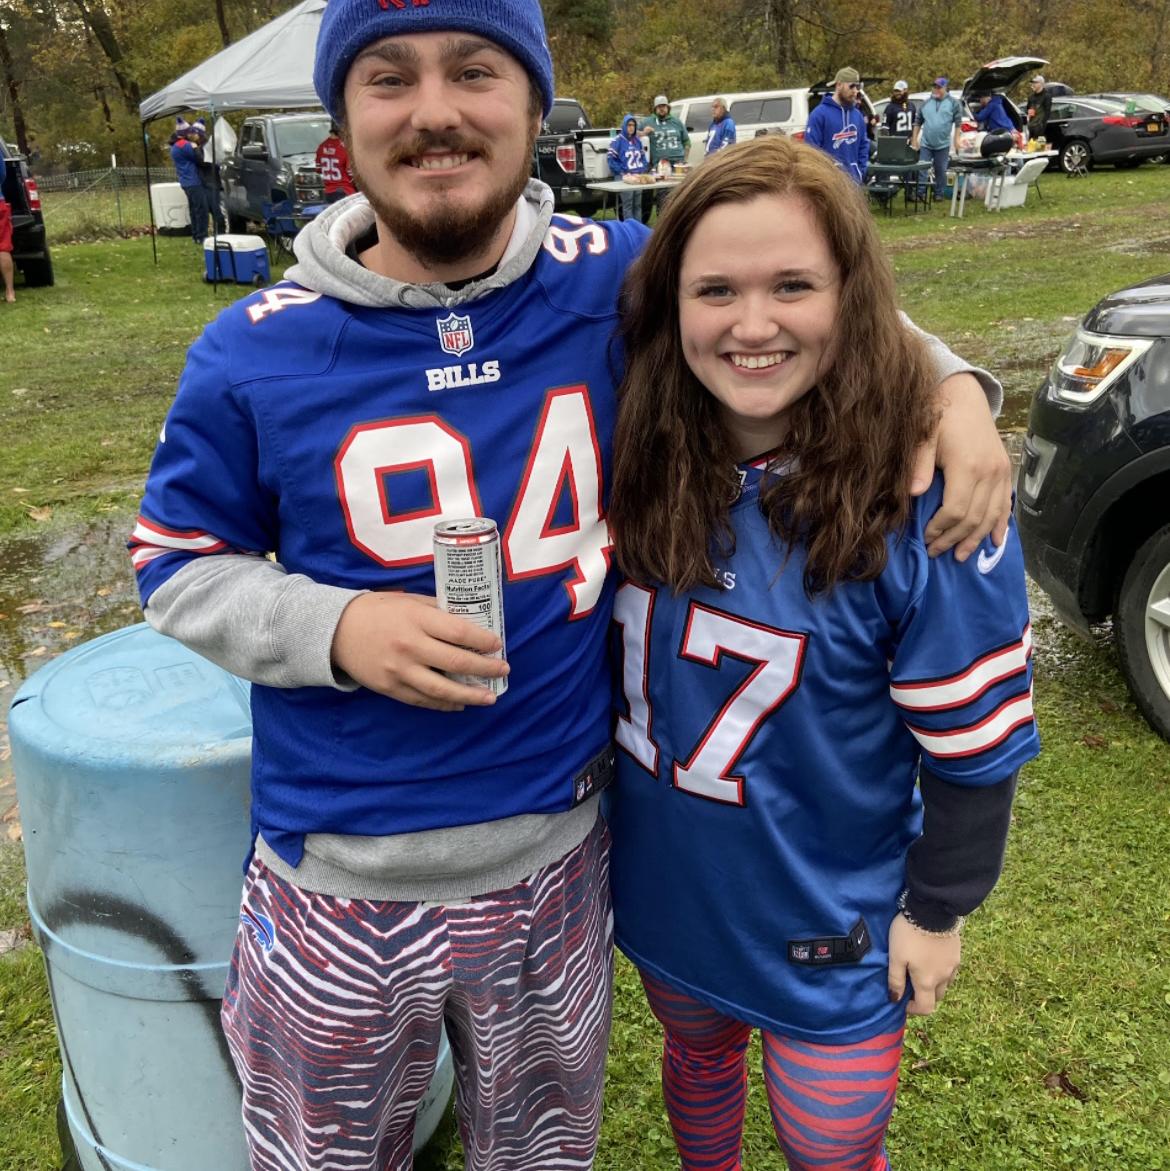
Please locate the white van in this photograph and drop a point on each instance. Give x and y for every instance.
(786, 110)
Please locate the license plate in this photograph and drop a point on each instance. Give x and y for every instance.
(1154, 128)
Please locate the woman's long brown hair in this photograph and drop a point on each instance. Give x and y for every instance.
(850, 440)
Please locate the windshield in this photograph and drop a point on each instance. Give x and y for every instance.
(301, 138)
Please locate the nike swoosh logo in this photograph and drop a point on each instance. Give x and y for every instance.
(986, 564)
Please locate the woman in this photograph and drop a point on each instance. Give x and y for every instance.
(793, 661)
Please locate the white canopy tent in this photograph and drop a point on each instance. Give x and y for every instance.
(271, 68)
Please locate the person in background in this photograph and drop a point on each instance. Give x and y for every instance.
(721, 132)
(627, 156)
(208, 172)
(333, 164)
(898, 118)
(1039, 107)
(668, 141)
(991, 115)
(187, 155)
(936, 135)
(7, 272)
(794, 667)
(838, 126)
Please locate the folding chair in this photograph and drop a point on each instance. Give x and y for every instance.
(281, 226)
(883, 191)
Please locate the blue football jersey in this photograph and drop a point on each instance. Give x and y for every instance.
(766, 792)
(337, 436)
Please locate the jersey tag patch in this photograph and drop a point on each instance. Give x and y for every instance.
(831, 949)
(598, 774)
(455, 334)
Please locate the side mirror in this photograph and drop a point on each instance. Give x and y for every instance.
(255, 150)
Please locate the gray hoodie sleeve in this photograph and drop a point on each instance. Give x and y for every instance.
(251, 617)
(947, 362)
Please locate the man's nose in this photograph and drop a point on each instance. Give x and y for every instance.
(435, 105)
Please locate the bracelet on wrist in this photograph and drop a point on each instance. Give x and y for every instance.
(954, 929)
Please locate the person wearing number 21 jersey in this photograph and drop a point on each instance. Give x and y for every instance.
(441, 350)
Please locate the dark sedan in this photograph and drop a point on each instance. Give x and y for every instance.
(1089, 131)
(1136, 103)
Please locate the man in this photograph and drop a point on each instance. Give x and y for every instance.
(333, 164)
(991, 115)
(627, 156)
(1039, 107)
(936, 135)
(187, 155)
(721, 132)
(898, 119)
(837, 126)
(668, 140)
(208, 172)
(7, 273)
(426, 852)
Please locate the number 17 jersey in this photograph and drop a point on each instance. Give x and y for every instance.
(770, 747)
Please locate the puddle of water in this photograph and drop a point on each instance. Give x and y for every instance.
(59, 586)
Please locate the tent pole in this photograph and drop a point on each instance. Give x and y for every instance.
(153, 229)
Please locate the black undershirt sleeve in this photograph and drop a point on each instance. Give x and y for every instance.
(953, 866)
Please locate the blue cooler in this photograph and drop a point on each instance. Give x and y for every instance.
(242, 259)
(132, 759)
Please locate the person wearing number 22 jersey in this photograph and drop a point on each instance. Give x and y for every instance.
(442, 349)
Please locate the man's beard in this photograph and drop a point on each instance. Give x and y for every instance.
(448, 232)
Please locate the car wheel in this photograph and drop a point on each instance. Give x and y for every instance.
(1141, 628)
(38, 273)
(1074, 156)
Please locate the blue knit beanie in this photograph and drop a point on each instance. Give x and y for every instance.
(348, 26)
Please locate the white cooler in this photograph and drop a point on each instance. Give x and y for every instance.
(169, 205)
(236, 258)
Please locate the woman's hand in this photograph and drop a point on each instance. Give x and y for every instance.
(977, 495)
(930, 962)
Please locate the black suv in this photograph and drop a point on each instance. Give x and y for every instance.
(1093, 498)
(30, 250)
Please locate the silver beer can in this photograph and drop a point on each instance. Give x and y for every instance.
(469, 582)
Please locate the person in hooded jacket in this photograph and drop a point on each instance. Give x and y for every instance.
(991, 114)
(627, 156)
(837, 126)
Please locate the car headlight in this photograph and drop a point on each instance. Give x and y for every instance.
(1090, 364)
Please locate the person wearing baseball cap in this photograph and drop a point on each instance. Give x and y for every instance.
(936, 135)
(1039, 108)
(898, 118)
(427, 841)
(838, 126)
(668, 141)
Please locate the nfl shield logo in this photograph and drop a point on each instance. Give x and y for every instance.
(455, 334)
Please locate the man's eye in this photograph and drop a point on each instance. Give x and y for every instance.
(473, 73)
(389, 80)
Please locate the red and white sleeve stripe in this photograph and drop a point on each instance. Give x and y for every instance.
(150, 540)
(937, 695)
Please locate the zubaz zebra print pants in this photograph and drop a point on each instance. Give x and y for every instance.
(333, 1011)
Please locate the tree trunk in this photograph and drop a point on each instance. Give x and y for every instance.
(221, 20)
(98, 22)
(19, 127)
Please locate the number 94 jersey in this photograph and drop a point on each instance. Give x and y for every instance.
(770, 747)
(338, 435)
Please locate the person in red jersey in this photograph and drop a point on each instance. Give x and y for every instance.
(333, 163)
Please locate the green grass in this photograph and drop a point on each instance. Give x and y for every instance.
(1064, 970)
(94, 213)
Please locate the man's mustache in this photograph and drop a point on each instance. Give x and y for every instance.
(424, 143)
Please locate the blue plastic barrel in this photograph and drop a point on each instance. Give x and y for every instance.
(131, 757)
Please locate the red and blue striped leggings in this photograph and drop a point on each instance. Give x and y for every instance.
(830, 1104)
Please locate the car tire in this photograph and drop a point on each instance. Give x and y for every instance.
(1075, 156)
(1141, 629)
(38, 273)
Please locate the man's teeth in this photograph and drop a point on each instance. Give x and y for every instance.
(440, 162)
(757, 361)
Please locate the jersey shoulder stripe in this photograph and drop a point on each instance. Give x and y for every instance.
(991, 731)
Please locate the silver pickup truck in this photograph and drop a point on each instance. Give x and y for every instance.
(275, 160)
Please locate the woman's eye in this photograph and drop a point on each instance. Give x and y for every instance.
(790, 287)
(714, 291)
